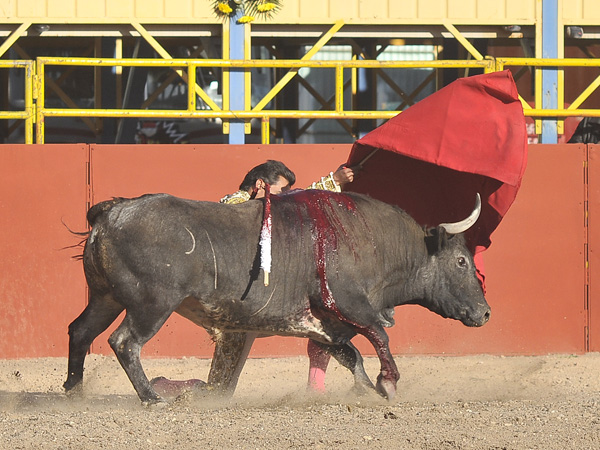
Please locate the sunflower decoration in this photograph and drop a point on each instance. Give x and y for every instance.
(251, 9)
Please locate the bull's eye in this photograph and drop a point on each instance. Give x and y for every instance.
(462, 262)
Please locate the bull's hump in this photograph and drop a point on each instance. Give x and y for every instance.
(121, 211)
(100, 208)
(116, 204)
(164, 215)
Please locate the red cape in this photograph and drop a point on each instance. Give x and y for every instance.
(467, 138)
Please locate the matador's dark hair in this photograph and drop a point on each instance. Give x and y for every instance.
(269, 172)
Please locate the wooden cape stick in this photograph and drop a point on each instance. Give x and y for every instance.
(366, 158)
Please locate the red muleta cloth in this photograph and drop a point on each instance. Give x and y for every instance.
(467, 138)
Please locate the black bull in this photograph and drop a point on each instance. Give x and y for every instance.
(341, 263)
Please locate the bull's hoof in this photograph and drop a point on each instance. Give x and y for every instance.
(71, 383)
(72, 390)
(155, 403)
(386, 388)
(174, 388)
(362, 390)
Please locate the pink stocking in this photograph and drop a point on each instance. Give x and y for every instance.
(318, 366)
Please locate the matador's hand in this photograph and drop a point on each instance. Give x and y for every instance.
(343, 175)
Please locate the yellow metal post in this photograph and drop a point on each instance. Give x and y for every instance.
(354, 90)
(190, 88)
(560, 31)
(538, 54)
(29, 106)
(119, 73)
(247, 77)
(39, 125)
(225, 74)
(265, 130)
(339, 88)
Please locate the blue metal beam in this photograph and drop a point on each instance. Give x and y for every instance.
(549, 74)
(236, 78)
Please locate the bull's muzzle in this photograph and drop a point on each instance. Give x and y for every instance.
(479, 317)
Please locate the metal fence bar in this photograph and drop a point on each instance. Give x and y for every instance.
(255, 63)
(207, 114)
(29, 104)
(265, 130)
(572, 110)
(27, 114)
(40, 101)
(191, 64)
(35, 110)
(339, 88)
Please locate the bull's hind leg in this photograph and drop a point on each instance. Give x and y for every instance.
(349, 357)
(138, 327)
(229, 357)
(100, 312)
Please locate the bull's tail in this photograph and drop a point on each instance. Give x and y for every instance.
(81, 234)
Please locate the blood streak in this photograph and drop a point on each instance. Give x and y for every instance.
(326, 229)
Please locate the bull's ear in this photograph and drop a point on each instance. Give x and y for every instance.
(436, 239)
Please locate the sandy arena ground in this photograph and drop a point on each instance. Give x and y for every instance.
(475, 402)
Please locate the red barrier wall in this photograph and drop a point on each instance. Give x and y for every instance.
(41, 287)
(536, 271)
(593, 219)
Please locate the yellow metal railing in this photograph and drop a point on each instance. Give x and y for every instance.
(35, 110)
(573, 110)
(27, 114)
(187, 71)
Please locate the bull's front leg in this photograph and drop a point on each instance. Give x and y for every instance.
(229, 357)
(389, 375)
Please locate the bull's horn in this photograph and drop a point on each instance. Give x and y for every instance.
(464, 225)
